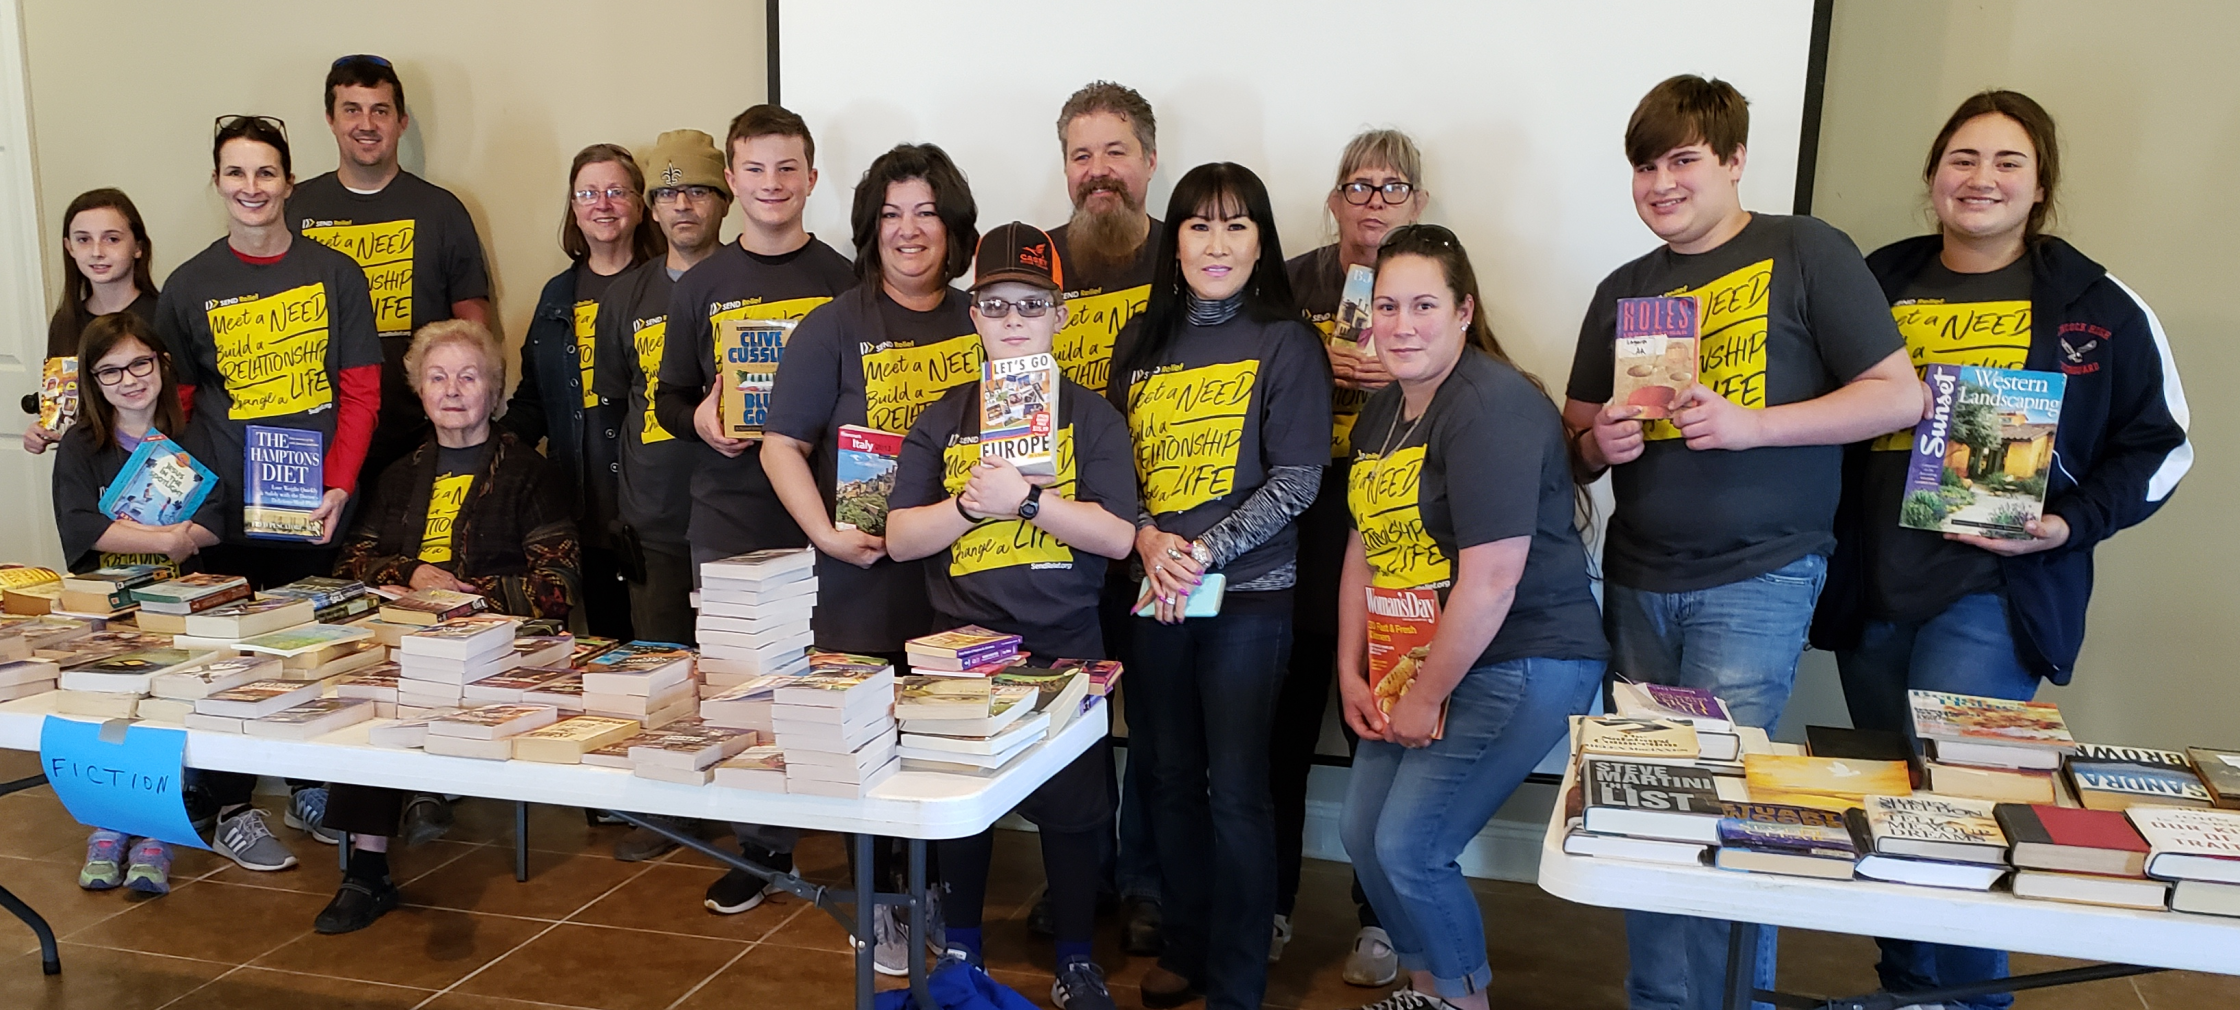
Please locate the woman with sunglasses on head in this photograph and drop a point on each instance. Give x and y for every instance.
(1227, 400)
(605, 231)
(105, 269)
(1379, 188)
(1463, 509)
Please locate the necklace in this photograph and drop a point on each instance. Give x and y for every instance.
(1384, 452)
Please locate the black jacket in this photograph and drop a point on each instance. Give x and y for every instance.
(547, 406)
(510, 539)
(2119, 451)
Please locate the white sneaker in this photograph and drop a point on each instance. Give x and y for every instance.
(245, 839)
(890, 941)
(1280, 937)
(1373, 961)
(1406, 998)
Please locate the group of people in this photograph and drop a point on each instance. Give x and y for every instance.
(1204, 429)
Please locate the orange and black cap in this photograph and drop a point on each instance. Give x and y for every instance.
(1018, 252)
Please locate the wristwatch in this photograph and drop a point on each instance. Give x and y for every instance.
(1032, 503)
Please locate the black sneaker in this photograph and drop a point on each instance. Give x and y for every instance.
(356, 905)
(736, 892)
(1080, 986)
(426, 818)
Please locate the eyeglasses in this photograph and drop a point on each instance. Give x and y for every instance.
(668, 193)
(1395, 192)
(229, 122)
(1029, 308)
(362, 57)
(587, 197)
(140, 367)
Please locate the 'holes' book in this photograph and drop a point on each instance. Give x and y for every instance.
(1655, 353)
(282, 471)
(160, 484)
(1981, 457)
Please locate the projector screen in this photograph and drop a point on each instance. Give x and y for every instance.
(1519, 107)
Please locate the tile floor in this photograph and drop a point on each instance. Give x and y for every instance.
(588, 932)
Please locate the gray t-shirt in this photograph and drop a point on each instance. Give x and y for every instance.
(655, 486)
(1789, 312)
(1484, 462)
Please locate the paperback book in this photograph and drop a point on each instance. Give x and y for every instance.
(281, 474)
(1401, 624)
(747, 356)
(865, 478)
(160, 484)
(1981, 457)
(1018, 412)
(430, 606)
(1655, 353)
(58, 392)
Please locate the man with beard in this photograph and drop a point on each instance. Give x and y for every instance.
(1110, 141)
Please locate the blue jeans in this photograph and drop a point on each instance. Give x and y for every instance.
(1409, 813)
(1968, 648)
(1740, 641)
(1205, 691)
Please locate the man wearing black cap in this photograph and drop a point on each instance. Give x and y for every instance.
(1025, 556)
(414, 239)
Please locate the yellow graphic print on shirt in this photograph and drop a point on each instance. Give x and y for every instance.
(444, 498)
(1008, 542)
(272, 352)
(384, 251)
(1383, 496)
(587, 327)
(1187, 425)
(1084, 346)
(1345, 404)
(1732, 358)
(647, 335)
(1989, 334)
(900, 380)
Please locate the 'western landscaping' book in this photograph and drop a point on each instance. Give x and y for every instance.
(865, 478)
(1655, 353)
(281, 473)
(747, 356)
(1981, 457)
(1018, 412)
(160, 484)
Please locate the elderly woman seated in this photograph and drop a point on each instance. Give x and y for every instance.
(470, 510)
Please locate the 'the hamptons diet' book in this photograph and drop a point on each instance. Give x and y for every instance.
(747, 355)
(1018, 412)
(281, 476)
(1981, 457)
(864, 478)
(160, 484)
(1655, 353)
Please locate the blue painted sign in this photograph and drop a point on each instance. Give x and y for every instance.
(123, 777)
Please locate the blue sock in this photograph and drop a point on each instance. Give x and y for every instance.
(966, 938)
(1070, 951)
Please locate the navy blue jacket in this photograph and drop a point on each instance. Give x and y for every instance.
(548, 405)
(2118, 453)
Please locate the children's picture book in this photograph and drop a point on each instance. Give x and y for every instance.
(865, 478)
(1981, 457)
(1656, 353)
(58, 393)
(1018, 412)
(1401, 625)
(747, 356)
(281, 474)
(160, 484)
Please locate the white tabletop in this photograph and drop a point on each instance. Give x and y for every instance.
(910, 804)
(1994, 919)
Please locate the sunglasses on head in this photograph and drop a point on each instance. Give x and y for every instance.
(231, 121)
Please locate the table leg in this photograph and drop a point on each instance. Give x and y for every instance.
(867, 901)
(50, 962)
(919, 924)
(520, 842)
(342, 851)
(1742, 966)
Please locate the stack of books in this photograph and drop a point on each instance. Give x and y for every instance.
(512, 685)
(437, 662)
(378, 684)
(566, 742)
(547, 651)
(485, 731)
(761, 768)
(2091, 857)
(1930, 841)
(164, 606)
(2198, 850)
(106, 593)
(754, 615)
(173, 693)
(973, 725)
(316, 651)
(1641, 789)
(836, 726)
(651, 682)
(226, 711)
(686, 751)
(746, 705)
(2104, 777)
(333, 601)
(969, 651)
(1990, 748)
(112, 687)
(22, 672)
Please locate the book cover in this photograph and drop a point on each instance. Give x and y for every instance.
(2070, 839)
(747, 356)
(1655, 353)
(1818, 839)
(1401, 624)
(187, 588)
(1665, 701)
(1827, 783)
(58, 393)
(1981, 457)
(281, 474)
(1634, 785)
(1018, 412)
(321, 590)
(2112, 778)
(864, 479)
(637, 657)
(430, 606)
(2220, 772)
(1968, 718)
(2213, 834)
(302, 639)
(1895, 821)
(1641, 739)
(160, 484)
(590, 647)
(922, 697)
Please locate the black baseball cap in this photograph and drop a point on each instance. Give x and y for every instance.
(1018, 252)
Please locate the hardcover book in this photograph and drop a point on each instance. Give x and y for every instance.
(1981, 457)
(1401, 624)
(2111, 778)
(1968, 729)
(2220, 772)
(1947, 828)
(1018, 412)
(160, 484)
(1827, 783)
(1651, 800)
(1655, 353)
(2071, 840)
(58, 393)
(282, 477)
(1663, 701)
(1669, 741)
(1809, 846)
(2189, 844)
(747, 356)
(864, 478)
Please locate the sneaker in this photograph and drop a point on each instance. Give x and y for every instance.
(246, 839)
(599, 818)
(1405, 998)
(1141, 933)
(641, 844)
(150, 872)
(736, 892)
(104, 867)
(1080, 986)
(357, 903)
(1373, 961)
(307, 812)
(1280, 936)
(890, 941)
(426, 818)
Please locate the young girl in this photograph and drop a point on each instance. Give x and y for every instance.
(104, 270)
(137, 399)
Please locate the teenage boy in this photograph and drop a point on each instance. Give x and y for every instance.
(1110, 141)
(413, 238)
(776, 270)
(1025, 556)
(1724, 513)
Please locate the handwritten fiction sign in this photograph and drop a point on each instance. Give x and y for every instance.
(119, 776)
